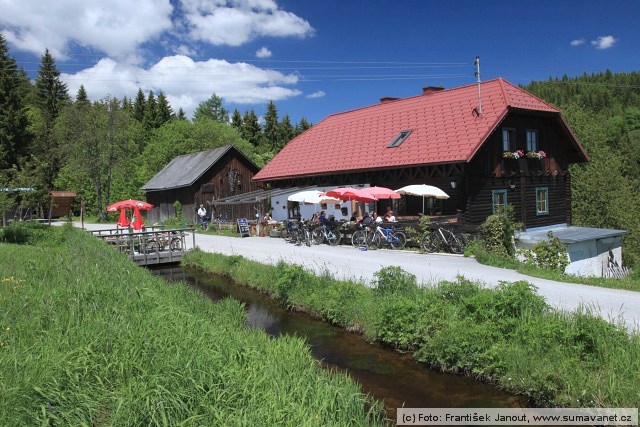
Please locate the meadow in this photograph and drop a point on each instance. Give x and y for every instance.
(88, 338)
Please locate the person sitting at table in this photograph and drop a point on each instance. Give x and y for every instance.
(353, 217)
(389, 217)
(322, 219)
(377, 218)
(366, 219)
(314, 219)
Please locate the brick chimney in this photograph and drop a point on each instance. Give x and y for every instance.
(428, 90)
(386, 99)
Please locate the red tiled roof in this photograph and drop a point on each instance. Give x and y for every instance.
(444, 128)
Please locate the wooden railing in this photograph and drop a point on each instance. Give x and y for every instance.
(157, 246)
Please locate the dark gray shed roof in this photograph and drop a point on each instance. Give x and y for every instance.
(569, 234)
(183, 171)
(258, 195)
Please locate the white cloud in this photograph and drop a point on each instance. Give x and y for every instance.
(604, 42)
(577, 42)
(318, 94)
(263, 52)
(185, 82)
(235, 22)
(116, 29)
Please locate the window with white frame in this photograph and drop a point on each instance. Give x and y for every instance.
(532, 139)
(499, 200)
(508, 139)
(542, 201)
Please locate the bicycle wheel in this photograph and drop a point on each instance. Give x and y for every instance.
(333, 237)
(429, 242)
(175, 245)
(359, 239)
(464, 240)
(374, 241)
(317, 236)
(152, 247)
(397, 239)
(454, 243)
(308, 239)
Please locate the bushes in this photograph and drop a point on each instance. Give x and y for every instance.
(549, 255)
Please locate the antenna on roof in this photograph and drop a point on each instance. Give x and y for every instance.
(477, 73)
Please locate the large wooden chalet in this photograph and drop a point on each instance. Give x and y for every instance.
(485, 146)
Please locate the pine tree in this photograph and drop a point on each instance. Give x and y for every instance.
(251, 129)
(139, 106)
(302, 126)
(181, 115)
(82, 96)
(127, 106)
(51, 92)
(151, 119)
(14, 123)
(271, 131)
(165, 112)
(236, 120)
(211, 109)
(286, 131)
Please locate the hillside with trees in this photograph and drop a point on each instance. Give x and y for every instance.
(106, 150)
(604, 111)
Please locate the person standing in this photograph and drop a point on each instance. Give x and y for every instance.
(202, 212)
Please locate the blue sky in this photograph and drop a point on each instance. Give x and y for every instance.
(314, 58)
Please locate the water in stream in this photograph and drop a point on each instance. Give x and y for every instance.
(396, 379)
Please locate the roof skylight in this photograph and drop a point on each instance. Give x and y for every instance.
(399, 139)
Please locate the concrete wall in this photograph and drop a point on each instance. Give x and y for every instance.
(590, 257)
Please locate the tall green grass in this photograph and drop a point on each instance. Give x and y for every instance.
(508, 336)
(90, 339)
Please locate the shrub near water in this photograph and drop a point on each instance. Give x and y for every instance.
(89, 339)
(509, 335)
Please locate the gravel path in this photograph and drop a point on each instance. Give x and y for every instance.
(346, 262)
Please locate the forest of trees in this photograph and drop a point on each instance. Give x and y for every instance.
(106, 150)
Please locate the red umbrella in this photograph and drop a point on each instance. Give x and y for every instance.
(129, 204)
(123, 221)
(381, 192)
(347, 193)
(137, 223)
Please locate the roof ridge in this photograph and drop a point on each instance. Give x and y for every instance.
(439, 93)
(505, 96)
(530, 95)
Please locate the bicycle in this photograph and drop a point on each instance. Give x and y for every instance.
(163, 241)
(432, 241)
(396, 239)
(361, 237)
(206, 222)
(326, 232)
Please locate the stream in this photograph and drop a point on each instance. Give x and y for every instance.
(396, 379)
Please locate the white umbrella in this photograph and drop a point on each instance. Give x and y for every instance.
(311, 196)
(424, 191)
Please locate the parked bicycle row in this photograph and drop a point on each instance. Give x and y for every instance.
(374, 236)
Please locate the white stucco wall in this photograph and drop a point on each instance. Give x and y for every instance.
(280, 211)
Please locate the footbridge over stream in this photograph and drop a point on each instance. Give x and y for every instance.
(152, 246)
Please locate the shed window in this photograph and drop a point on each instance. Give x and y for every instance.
(542, 201)
(532, 140)
(499, 201)
(399, 139)
(508, 139)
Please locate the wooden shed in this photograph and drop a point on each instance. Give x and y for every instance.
(201, 178)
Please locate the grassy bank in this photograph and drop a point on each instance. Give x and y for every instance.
(509, 336)
(630, 283)
(89, 339)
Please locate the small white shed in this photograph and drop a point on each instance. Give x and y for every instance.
(591, 250)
